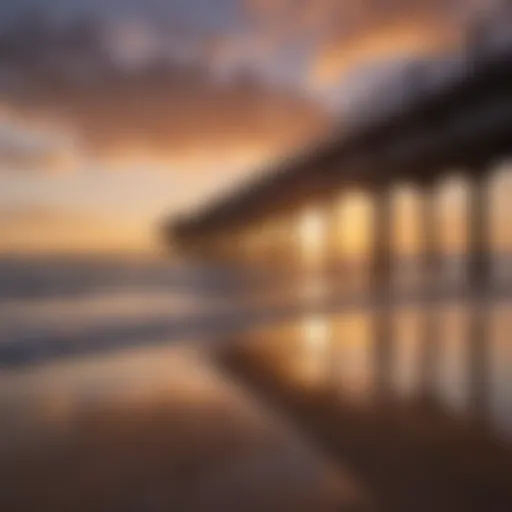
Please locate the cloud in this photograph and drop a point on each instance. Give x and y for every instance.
(133, 89)
(400, 41)
(27, 148)
(345, 36)
(150, 107)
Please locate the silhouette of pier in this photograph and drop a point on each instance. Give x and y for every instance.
(462, 126)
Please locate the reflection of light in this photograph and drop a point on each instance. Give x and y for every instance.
(355, 225)
(314, 361)
(352, 360)
(312, 234)
(316, 333)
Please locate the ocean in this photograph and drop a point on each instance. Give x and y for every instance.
(52, 307)
(55, 309)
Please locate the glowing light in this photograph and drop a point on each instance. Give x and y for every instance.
(355, 222)
(314, 360)
(312, 237)
(316, 333)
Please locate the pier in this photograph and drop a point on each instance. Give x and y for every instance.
(416, 452)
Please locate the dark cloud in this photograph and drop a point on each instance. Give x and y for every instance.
(344, 35)
(190, 79)
(162, 106)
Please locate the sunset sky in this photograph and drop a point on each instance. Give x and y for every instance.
(114, 113)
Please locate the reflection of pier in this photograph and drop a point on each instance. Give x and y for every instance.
(462, 127)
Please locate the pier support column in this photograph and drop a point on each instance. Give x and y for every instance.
(331, 247)
(431, 266)
(288, 243)
(381, 259)
(248, 247)
(331, 277)
(479, 273)
(265, 244)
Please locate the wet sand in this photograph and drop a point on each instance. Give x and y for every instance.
(150, 430)
(411, 456)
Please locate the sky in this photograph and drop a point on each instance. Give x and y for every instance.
(114, 114)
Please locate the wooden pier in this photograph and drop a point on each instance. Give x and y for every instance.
(415, 456)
